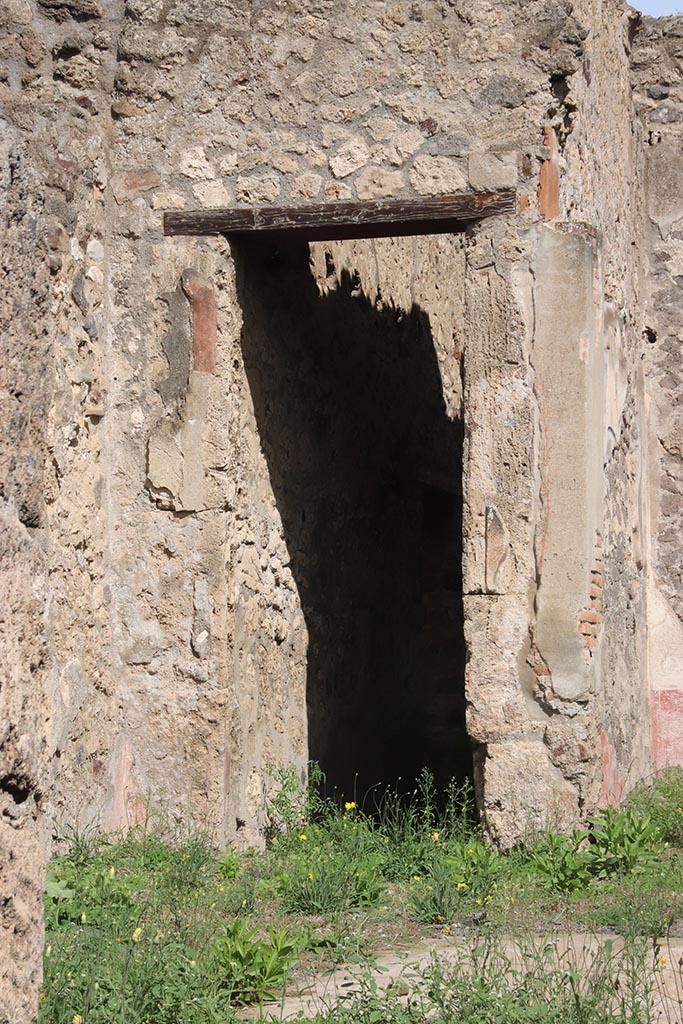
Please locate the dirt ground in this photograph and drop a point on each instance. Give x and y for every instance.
(399, 972)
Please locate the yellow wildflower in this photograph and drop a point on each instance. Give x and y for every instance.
(221, 888)
(137, 934)
(77, 1019)
(302, 837)
(83, 917)
(462, 885)
(447, 929)
(416, 878)
(311, 875)
(479, 903)
(350, 805)
(435, 837)
(41, 995)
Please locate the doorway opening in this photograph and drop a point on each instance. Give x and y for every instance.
(366, 469)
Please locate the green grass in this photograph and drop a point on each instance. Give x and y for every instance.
(159, 926)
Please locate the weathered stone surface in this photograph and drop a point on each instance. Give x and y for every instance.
(568, 364)
(548, 801)
(74, 8)
(661, 353)
(26, 698)
(488, 172)
(127, 185)
(376, 183)
(350, 157)
(255, 189)
(436, 175)
(194, 532)
(15, 12)
(307, 185)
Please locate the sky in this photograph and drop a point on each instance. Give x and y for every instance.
(658, 7)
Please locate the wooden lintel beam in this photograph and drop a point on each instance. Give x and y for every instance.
(329, 221)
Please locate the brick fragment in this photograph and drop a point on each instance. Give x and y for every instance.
(549, 179)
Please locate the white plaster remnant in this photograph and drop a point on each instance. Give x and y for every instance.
(174, 459)
(350, 157)
(195, 164)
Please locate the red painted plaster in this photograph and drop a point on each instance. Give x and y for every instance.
(128, 805)
(549, 179)
(203, 303)
(666, 710)
(612, 790)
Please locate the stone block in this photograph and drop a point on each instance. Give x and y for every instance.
(258, 189)
(488, 172)
(127, 185)
(524, 794)
(437, 175)
(349, 158)
(61, 9)
(377, 183)
(15, 12)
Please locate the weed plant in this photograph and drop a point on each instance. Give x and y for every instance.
(528, 981)
(662, 804)
(158, 926)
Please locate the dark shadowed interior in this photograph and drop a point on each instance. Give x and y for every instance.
(366, 468)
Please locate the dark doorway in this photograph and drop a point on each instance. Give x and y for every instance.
(366, 468)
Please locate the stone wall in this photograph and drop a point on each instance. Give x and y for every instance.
(601, 498)
(26, 689)
(658, 84)
(571, 645)
(258, 500)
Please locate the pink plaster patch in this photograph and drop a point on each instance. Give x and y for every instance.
(666, 710)
(203, 303)
(612, 791)
(128, 805)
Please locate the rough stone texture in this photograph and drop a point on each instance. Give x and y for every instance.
(196, 431)
(658, 83)
(25, 677)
